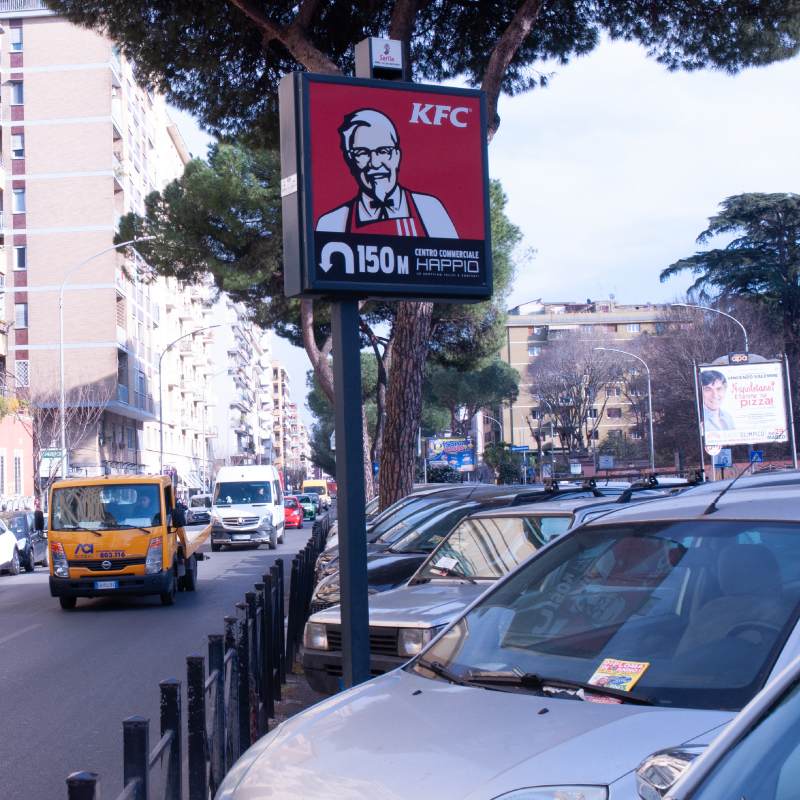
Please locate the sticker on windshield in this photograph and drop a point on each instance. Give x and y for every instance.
(621, 675)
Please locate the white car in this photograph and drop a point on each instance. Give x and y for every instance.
(647, 629)
(11, 550)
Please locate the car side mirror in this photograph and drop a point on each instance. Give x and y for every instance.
(38, 519)
(178, 517)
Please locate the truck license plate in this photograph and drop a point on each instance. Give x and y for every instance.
(105, 584)
(240, 536)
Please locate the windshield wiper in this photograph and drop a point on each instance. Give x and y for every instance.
(533, 681)
(455, 573)
(125, 527)
(438, 669)
(79, 529)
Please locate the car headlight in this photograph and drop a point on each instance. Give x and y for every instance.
(660, 771)
(556, 793)
(266, 520)
(412, 640)
(60, 566)
(216, 516)
(315, 636)
(155, 557)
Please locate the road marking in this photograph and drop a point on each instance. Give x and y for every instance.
(19, 633)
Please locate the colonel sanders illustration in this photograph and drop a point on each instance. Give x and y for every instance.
(372, 152)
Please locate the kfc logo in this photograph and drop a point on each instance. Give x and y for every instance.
(371, 147)
(420, 114)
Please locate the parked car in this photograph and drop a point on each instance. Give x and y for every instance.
(315, 498)
(756, 756)
(477, 552)
(33, 549)
(10, 551)
(308, 506)
(247, 507)
(647, 628)
(199, 511)
(295, 513)
(405, 543)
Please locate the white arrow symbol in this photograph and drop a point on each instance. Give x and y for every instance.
(337, 247)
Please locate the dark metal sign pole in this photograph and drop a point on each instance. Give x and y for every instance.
(351, 492)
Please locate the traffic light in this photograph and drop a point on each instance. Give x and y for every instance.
(302, 458)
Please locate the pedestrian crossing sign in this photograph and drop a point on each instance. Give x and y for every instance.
(757, 457)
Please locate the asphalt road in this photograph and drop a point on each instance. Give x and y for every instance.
(69, 678)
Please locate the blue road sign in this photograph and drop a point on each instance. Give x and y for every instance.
(757, 457)
(522, 448)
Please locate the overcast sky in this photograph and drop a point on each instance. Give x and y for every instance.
(612, 171)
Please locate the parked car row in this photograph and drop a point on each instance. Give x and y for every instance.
(589, 646)
(23, 543)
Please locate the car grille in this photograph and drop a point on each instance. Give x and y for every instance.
(335, 671)
(319, 607)
(240, 522)
(381, 642)
(95, 564)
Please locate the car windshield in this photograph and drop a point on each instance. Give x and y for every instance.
(200, 502)
(304, 498)
(389, 518)
(700, 608)
(489, 547)
(106, 507)
(404, 526)
(425, 537)
(16, 524)
(289, 502)
(243, 492)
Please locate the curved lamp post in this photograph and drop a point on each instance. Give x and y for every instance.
(161, 391)
(500, 425)
(64, 454)
(540, 399)
(649, 399)
(717, 311)
(205, 386)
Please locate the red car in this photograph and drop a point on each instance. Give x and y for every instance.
(294, 512)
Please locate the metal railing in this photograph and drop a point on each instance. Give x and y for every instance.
(22, 5)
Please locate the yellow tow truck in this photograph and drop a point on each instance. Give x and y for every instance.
(120, 535)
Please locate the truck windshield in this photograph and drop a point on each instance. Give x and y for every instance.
(242, 492)
(106, 507)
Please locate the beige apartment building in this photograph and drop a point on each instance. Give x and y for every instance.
(530, 327)
(82, 144)
(282, 427)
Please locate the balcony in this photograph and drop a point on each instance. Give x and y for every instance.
(122, 336)
(117, 219)
(116, 69)
(185, 314)
(156, 311)
(187, 387)
(116, 117)
(171, 301)
(185, 349)
(211, 432)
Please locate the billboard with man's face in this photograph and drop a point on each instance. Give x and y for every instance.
(385, 189)
(743, 404)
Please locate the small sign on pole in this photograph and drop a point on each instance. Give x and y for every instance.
(713, 449)
(723, 458)
(605, 462)
(575, 469)
(757, 457)
(521, 448)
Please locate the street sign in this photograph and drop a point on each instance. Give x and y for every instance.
(575, 469)
(713, 449)
(757, 457)
(522, 448)
(51, 453)
(723, 458)
(385, 189)
(605, 462)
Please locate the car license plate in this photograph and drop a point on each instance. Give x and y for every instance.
(105, 584)
(240, 536)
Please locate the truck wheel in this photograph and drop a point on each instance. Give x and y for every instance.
(215, 548)
(67, 603)
(273, 540)
(190, 578)
(168, 598)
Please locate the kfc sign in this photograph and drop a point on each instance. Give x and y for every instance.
(385, 189)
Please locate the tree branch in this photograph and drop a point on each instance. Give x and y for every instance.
(502, 53)
(319, 359)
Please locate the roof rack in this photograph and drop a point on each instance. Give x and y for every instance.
(693, 476)
(650, 481)
(553, 490)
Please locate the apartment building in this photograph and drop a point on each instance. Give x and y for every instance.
(281, 422)
(242, 388)
(82, 144)
(529, 330)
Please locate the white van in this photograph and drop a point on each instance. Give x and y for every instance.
(247, 507)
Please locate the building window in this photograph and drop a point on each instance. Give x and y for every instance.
(22, 373)
(534, 351)
(633, 327)
(131, 440)
(595, 434)
(636, 435)
(609, 328)
(21, 257)
(18, 145)
(16, 40)
(592, 413)
(535, 331)
(21, 315)
(19, 201)
(17, 93)
(612, 391)
(17, 474)
(587, 328)
(614, 413)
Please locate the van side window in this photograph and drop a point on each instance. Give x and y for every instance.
(168, 500)
(278, 493)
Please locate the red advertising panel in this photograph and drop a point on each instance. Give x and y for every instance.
(385, 189)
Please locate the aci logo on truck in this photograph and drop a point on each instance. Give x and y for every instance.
(385, 189)
(84, 549)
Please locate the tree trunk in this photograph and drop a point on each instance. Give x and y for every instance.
(404, 403)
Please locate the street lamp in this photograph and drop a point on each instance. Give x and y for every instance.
(649, 399)
(64, 454)
(588, 394)
(161, 391)
(717, 311)
(499, 425)
(205, 386)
